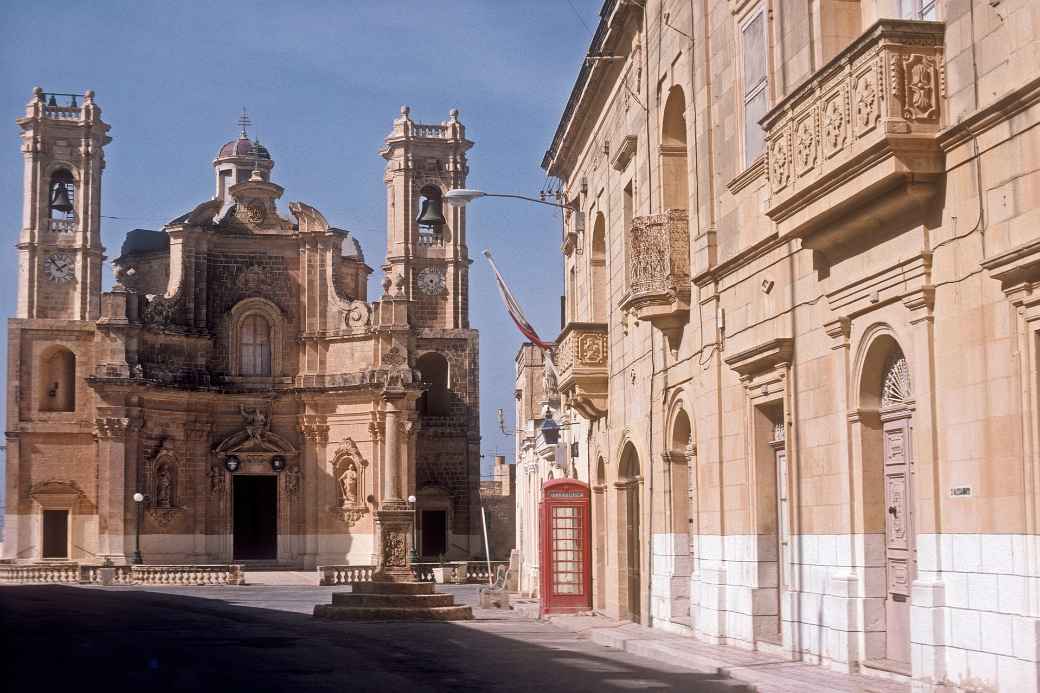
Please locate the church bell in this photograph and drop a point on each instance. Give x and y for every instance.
(60, 199)
(430, 215)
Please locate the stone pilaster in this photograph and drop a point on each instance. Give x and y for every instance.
(111, 433)
(313, 466)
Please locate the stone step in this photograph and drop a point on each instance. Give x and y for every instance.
(395, 600)
(392, 587)
(387, 613)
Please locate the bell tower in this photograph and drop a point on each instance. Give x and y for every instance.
(59, 249)
(426, 239)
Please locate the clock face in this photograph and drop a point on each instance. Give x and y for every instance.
(431, 281)
(59, 267)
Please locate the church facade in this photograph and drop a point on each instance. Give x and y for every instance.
(236, 389)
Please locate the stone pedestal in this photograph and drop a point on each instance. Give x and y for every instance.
(394, 527)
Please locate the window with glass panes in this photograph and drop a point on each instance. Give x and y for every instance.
(756, 98)
(255, 346)
(918, 9)
(567, 550)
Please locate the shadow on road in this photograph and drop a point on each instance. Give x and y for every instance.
(68, 638)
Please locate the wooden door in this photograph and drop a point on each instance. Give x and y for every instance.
(900, 552)
(55, 534)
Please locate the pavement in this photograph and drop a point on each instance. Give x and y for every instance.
(261, 637)
(759, 672)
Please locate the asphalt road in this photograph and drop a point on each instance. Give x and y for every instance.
(254, 638)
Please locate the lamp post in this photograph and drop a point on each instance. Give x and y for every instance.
(460, 197)
(414, 557)
(139, 499)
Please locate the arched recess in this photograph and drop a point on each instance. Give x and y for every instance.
(680, 458)
(435, 401)
(257, 335)
(599, 529)
(629, 533)
(61, 194)
(598, 269)
(883, 427)
(674, 175)
(57, 380)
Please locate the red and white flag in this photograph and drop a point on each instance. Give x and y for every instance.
(513, 306)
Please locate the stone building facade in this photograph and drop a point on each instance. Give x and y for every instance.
(237, 374)
(802, 328)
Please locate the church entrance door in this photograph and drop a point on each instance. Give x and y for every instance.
(256, 517)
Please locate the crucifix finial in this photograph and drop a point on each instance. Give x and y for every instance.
(244, 122)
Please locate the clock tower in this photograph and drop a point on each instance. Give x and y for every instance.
(426, 255)
(59, 249)
(426, 240)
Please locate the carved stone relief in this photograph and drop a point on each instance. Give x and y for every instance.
(867, 101)
(779, 163)
(806, 144)
(920, 87)
(834, 125)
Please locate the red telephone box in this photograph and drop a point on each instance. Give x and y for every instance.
(566, 563)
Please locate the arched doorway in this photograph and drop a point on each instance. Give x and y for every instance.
(629, 563)
(680, 501)
(886, 420)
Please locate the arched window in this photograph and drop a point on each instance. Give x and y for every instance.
(433, 368)
(674, 176)
(599, 269)
(58, 380)
(254, 346)
(62, 200)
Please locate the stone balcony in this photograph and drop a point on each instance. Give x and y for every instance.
(581, 359)
(658, 272)
(854, 147)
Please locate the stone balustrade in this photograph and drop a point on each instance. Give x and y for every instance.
(230, 574)
(468, 571)
(62, 225)
(860, 132)
(40, 573)
(581, 359)
(344, 574)
(122, 574)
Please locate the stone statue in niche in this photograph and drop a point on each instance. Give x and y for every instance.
(348, 486)
(163, 487)
(292, 479)
(216, 480)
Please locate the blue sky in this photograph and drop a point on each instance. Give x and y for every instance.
(322, 82)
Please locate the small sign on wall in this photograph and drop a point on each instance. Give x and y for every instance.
(961, 492)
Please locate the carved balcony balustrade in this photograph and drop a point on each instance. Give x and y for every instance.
(581, 359)
(658, 272)
(855, 146)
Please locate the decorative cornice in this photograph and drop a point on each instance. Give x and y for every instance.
(761, 357)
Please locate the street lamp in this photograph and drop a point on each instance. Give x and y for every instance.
(460, 197)
(139, 499)
(414, 558)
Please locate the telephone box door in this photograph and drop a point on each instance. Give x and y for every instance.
(566, 559)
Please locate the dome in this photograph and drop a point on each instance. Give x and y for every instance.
(243, 147)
